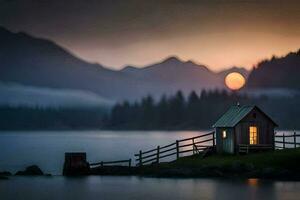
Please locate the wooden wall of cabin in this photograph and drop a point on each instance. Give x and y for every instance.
(219, 145)
(265, 129)
(225, 145)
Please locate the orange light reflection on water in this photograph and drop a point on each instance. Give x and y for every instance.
(253, 182)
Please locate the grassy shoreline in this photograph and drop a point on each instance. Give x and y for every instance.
(279, 164)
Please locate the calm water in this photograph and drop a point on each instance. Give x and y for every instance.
(46, 149)
(116, 188)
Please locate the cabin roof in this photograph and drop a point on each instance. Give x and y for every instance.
(235, 114)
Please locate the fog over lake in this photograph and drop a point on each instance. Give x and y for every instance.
(14, 94)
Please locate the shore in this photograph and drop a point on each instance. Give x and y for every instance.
(280, 164)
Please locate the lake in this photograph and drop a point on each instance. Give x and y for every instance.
(46, 149)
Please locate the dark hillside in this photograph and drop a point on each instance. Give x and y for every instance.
(281, 72)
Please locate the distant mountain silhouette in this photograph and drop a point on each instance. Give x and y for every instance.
(38, 62)
(175, 75)
(280, 72)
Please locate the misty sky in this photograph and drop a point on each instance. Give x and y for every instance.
(115, 33)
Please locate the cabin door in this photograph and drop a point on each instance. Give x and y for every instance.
(253, 135)
(227, 140)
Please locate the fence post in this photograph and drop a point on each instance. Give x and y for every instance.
(140, 158)
(274, 137)
(129, 162)
(295, 146)
(157, 155)
(177, 149)
(283, 141)
(214, 143)
(193, 146)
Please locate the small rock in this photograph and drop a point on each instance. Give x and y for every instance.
(32, 170)
(5, 173)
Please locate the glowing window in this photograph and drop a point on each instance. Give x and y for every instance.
(224, 134)
(253, 136)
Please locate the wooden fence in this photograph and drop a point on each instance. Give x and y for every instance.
(177, 149)
(287, 141)
(191, 146)
(109, 163)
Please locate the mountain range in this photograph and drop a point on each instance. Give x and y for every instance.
(32, 61)
(37, 62)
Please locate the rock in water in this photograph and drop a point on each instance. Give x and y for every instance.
(32, 170)
(5, 173)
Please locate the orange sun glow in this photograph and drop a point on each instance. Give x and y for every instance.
(235, 81)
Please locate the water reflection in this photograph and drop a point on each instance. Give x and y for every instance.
(107, 187)
(250, 189)
(253, 182)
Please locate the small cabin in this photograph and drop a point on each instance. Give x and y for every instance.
(243, 129)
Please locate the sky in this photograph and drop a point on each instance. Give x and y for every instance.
(116, 33)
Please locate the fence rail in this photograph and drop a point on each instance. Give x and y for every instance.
(107, 163)
(177, 148)
(287, 141)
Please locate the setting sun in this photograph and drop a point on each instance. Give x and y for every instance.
(235, 81)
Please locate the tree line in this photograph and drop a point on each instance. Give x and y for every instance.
(197, 111)
(175, 112)
(39, 118)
